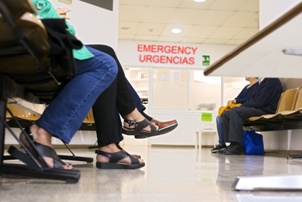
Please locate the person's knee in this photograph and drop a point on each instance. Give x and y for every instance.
(106, 65)
(236, 111)
(225, 115)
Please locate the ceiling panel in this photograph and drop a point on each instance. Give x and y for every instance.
(213, 22)
(214, 17)
(146, 38)
(241, 19)
(192, 39)
(128, 27)
(164, 3)
(225, 32)
(246, 33)
(231, 5)
(201, 31)
(250, 5)
(151, 29)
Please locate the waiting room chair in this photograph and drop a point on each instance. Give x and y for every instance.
(286, 102)
(296, 112)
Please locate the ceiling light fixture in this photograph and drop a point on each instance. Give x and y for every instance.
(176, 30)
(199, 1)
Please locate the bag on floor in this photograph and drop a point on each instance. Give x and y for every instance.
(253, 143)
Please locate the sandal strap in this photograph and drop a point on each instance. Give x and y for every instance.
(139, 126)
(133, 159)
(46, 151)
(117, 156)
(40, 150)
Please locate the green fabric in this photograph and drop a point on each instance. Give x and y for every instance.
(46, 10)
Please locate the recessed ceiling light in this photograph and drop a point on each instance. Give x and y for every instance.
(176, 30)
(199, 1)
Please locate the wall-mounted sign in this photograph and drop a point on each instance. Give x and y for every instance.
(167, 54)
(205, 60)
(206, 117)
(164, 54)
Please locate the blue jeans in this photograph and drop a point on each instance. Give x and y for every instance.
(219, 125)
(65, 114)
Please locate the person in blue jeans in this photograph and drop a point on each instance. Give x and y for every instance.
(90, 87)
(96, 72)
(242, 97)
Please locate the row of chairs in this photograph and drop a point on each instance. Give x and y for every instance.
(289, 107)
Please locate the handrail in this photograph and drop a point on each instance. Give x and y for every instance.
(292, 13)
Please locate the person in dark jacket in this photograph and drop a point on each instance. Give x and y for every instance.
(263, 100)
(241, 98)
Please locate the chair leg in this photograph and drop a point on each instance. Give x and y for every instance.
(3, 103)
(73, 157)
(94, 146)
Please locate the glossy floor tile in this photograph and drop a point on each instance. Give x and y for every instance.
(170, 174)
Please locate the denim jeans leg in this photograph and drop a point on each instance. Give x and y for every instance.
(63, 117)
(219, 125)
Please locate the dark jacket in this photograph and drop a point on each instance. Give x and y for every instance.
(245, 93)
(265, 95)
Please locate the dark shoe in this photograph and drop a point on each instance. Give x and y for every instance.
(234, 150)
(39, 150)
(218, 148)
(114, 159)
(138, 130)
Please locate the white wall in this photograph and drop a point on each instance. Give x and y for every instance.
(170, 97)
(280, 140)
(93, 24)
(269, 10)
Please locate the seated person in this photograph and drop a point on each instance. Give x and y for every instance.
(263, 100)
(241, 98)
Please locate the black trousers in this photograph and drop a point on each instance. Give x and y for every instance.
(233, 122)
(116, 99)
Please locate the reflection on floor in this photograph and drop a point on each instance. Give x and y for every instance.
(170, 174)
